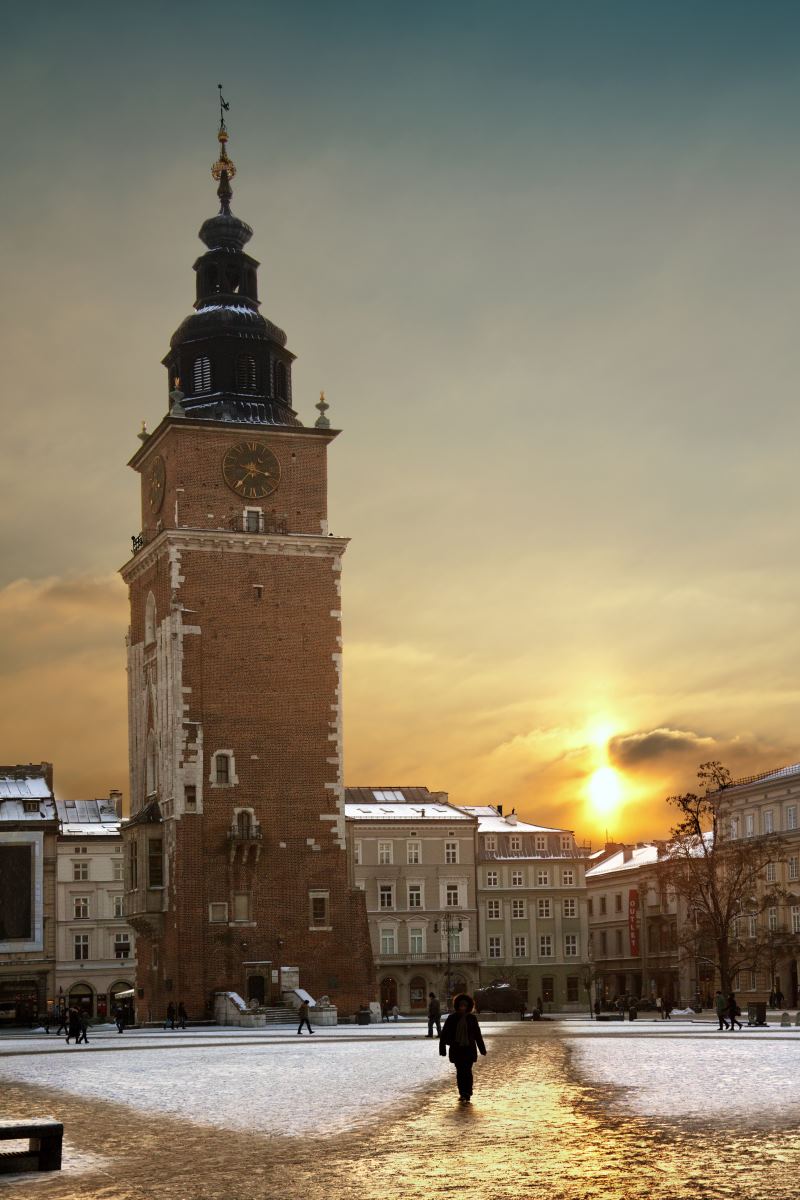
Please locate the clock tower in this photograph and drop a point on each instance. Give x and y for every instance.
(236, 868)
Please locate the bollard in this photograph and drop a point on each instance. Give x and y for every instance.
(797, 1018)
(785, 1020)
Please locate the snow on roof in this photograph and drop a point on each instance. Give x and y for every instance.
(639, 856)
(88, 818)
(14, 810)
(490, 821)
(768, 776)
(32, 787)
(404, 812)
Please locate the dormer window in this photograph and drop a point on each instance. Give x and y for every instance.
(246, 373)
(201, 374)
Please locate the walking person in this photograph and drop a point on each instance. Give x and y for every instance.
(434, 1015)
(63, 1019)
(385, 1010)
(462, 1033)
(721, 1007)
(169, 1023)
(83, 1021)
(73, 1024)
(733, 1012)
(119, 1018)
(183, 1016)
(303, 1014)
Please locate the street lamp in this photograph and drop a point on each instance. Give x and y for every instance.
(449, 926)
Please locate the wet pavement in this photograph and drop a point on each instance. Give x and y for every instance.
(537, 1128)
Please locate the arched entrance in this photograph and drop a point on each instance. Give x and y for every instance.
(82, 996)
(458, 984)
(123, 1002)
(389, 991)
(417, 993)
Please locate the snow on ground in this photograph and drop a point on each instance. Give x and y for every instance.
(701, 1077)
(284, 1089)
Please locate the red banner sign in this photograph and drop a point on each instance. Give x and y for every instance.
(633, 920)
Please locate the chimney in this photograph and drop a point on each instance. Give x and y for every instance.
(499, 808)
(627, 853)
(512, 817)
(115, 800)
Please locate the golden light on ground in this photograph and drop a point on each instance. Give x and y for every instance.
(605, 790)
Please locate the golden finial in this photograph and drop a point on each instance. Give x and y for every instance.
(143, 435)
(223, 169)
(322, 421)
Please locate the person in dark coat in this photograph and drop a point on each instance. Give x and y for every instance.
(83, 1019)
(462, 1033)
(434, 1015)
(73, 1024)
(302, 1012)
(720, 1004)
(183, 1016)
(733, 1012)
(63, 1019)
(170, 1021)
(119, 1018)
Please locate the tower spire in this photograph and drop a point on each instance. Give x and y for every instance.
(223, 169)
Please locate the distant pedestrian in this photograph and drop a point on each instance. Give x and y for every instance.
(598, 1008)
(302, 1012)
(384, 1010)
(462, 1033)
(183, 1016)
(720, 1005)
(47, 1020)
(779, 998)
(667, 1014)
(63, 1019)
(119, 1017)
(734, 1012)
(396, 1013)
(170, 1021)
(83, 1018)
(539, 1005)
(434, 1015)
(73, 1024)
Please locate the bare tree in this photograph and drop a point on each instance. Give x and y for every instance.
(719, 878)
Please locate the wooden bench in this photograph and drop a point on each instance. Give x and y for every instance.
(44, 1135)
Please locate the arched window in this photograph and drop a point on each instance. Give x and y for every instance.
(152, 764)
(280, 380)
(150, 620)
(201, 374)
(223, 768)
(246, 373)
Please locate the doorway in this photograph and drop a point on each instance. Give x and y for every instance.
(389, 991)
(256, 989)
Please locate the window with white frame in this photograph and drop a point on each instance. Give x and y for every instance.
(416, 940)
(520, 946)
(222, 771)
(791, 817)
(792, 865)
(768, 821)
(386, 895)
(772, 872)
(122, 945)
(80, 945)
(753, 981)
(772, 919)
(415, 895)
(253, 521)
(518, 910)
(495, 947)
(80, 871)
(570, 907)
(545, 945)
(450, 853)
(517, 879)
(515, 844)
(752, 925)
(388, 940)
(734, 828)
(491, 879)
(543, 908)
(490, 843)
(218, 914)
(749, 825)
(413, 853)
(80, 908)
(568, 877)
(570, 945)
(384, 854)
(541, 843)
(542, 878)
(357, 853)
(795, 914)
(451, 895)
(116, 869)
(455, 940)
(493, 910)
(119, 906)
(566, 843)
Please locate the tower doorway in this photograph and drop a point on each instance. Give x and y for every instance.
(389, 991)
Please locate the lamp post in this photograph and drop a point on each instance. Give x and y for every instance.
(587, 971)
(449, 926)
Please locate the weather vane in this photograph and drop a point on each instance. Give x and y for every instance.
(223, 169)
(223, 107)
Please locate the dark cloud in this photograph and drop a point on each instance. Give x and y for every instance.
(645, 746)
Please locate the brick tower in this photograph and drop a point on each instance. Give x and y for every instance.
(236, 868)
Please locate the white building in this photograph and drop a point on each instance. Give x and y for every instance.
(94, 946)
(414, 856)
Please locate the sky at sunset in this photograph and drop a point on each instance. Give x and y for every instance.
(544, 259)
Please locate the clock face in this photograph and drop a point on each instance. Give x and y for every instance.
(156, 482)
(251, 470)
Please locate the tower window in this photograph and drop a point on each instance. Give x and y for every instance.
(280, 380)
(246, 373)
(151, 765)
(150, 620)
(201, 374)
(223, 769)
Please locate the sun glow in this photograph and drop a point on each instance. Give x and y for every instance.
(605, 790)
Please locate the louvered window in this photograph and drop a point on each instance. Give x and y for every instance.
(280, 380)
(201, 374)
(246, 373)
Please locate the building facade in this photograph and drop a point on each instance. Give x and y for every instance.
(236, 860)
(413, 856)
(95, 947)
(531, 883)
(28, 830)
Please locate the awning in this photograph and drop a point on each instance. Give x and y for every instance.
(125, 995)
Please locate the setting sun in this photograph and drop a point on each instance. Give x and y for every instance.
(605, 789)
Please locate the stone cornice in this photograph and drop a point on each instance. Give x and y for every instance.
(290, 545)
(252, 429)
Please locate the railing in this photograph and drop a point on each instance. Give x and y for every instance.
(429, 956)
(245, 835)
(514, 855)
(270, 524)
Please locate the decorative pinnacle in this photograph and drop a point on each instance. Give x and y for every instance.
(143, 434)
(223, 169)
(322, 421)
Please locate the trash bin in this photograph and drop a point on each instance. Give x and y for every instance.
(757, 1012)
(363, 1017)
